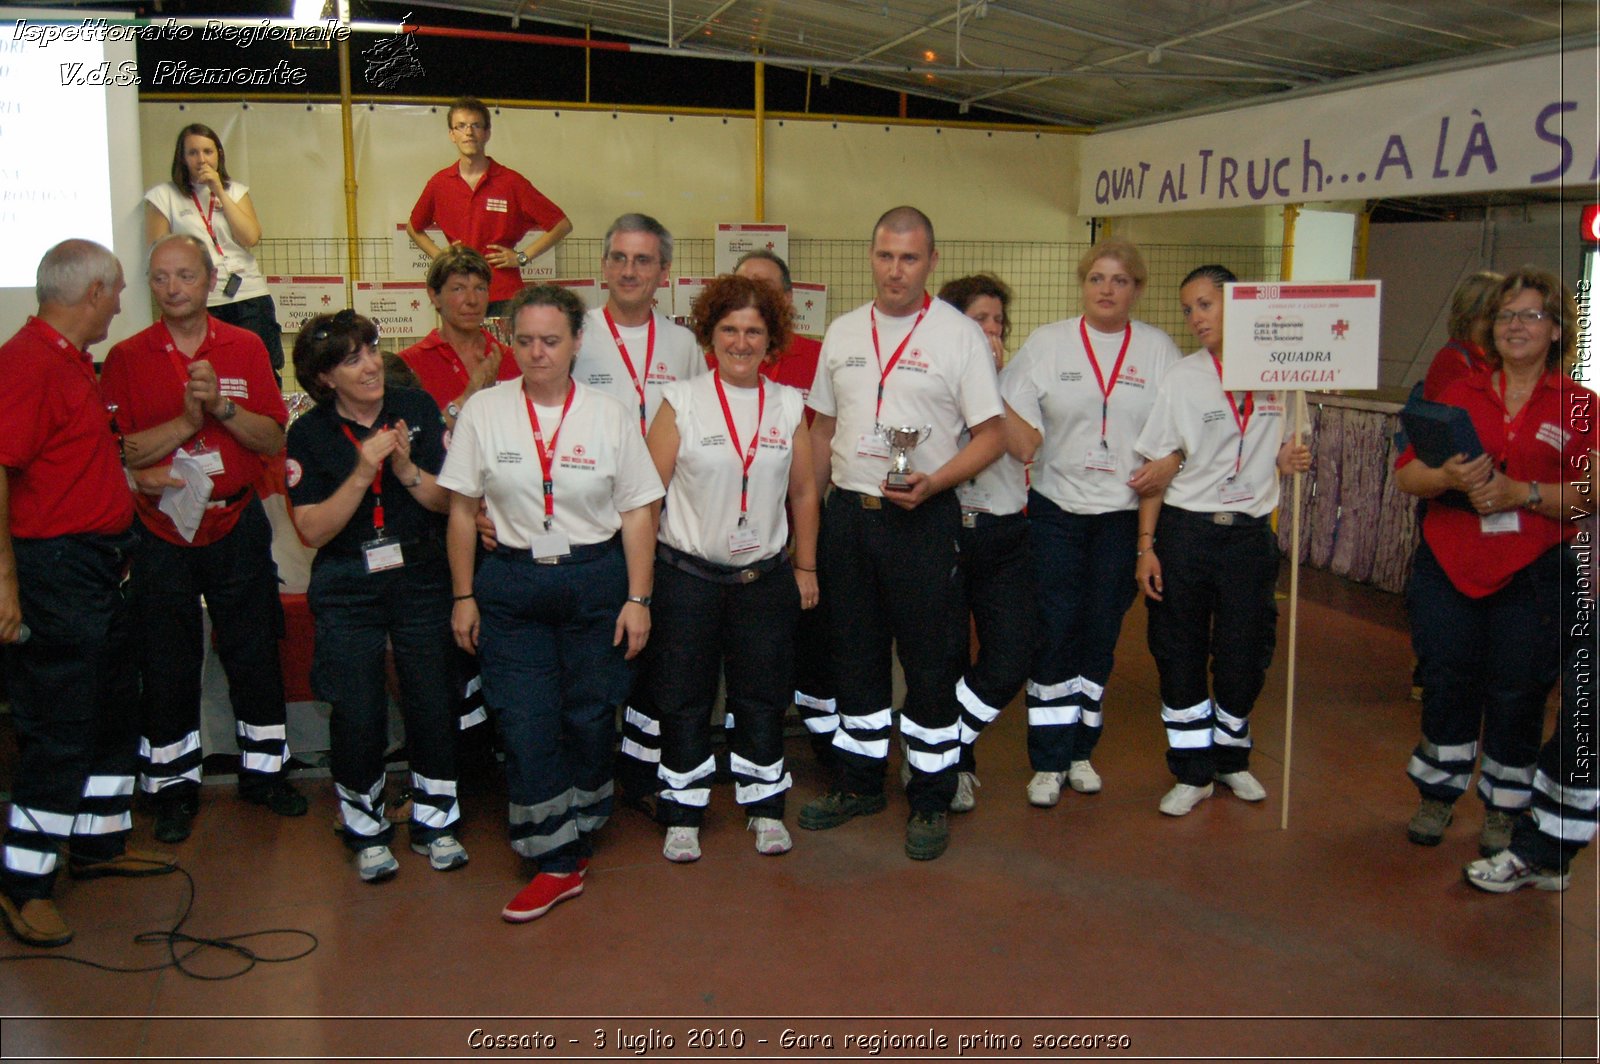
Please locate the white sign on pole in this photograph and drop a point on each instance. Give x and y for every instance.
(1300, 337)
(400, 308)
(587, 288)
(736, 238)
(810, 308)
(685, 291)
(407, 260)
(298, 299)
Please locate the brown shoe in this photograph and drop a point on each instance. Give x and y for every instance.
(35, 922)
(129, 863)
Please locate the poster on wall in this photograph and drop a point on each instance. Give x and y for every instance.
(810, 308)
(400, 308)
(685, 290)
(587, 288)
(1301, 337)
(736, 238)
(299, 299)
(406, 260)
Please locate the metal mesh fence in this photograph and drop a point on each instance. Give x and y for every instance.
(1042, 276)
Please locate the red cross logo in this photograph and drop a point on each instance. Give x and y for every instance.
(1340, 327)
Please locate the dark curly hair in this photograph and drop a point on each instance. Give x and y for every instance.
(323, 343)
(730, 292)
(960, 293)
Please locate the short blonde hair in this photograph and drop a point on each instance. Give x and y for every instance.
(1120, 250)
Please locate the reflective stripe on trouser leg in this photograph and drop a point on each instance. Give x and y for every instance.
(263, 748)
(1567, 814)
(1091, 719)
(683, 787)
(641, 738)
(591, 809)
(433, 803)
(473, 710)
(543, 826)
(106, 806)
(1190, 728)
(866, 735)
(163, 766)
(1053, 716)
(819, 715)
(1504, 786)
(363, 814)
(930, 749)
(1229, 730)
(754, 783)
(976, 714)
(1442, 771)
(32, 843)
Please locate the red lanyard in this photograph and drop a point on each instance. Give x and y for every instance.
(884, 371)
(1105, 389)
(547, 458)
(1513, 424)
(377, 483)
(205, 219)
(750, 451)
(1241, 418)
(649, 354)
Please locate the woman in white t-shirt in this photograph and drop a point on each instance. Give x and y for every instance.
(1208, 559)
(1082, 390)
(204, 202)
(733, 450)
(560, 608)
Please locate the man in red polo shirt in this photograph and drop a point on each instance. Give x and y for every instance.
(460, 357)
(796, 364)
(64, 547)
(486, 206)
(195, 384)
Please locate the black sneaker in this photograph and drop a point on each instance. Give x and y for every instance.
(837, 807)
(176, 808)
(274, 792)
(927, 835)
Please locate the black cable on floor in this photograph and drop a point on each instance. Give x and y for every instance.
(175, 938)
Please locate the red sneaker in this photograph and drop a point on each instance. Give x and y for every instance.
(541, 895)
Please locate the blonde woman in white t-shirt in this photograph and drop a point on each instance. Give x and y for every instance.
(734, 453)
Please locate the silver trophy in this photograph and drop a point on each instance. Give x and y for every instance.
(902, 440)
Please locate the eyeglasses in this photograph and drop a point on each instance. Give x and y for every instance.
(640, 262)
(468, 127)
(1526, 317)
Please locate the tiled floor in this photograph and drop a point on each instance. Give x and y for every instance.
(1218, 935)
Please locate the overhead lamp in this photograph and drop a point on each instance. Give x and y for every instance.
(309, 12)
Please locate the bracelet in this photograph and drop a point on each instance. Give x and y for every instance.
(1152, 535)
(463, 598)
(412, 483)
(642, 600)
(803, 569)
(1142, 553)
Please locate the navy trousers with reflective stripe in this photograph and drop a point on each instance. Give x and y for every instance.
(997, 579)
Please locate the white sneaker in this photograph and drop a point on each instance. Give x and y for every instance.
(444, 852)
(682, 846)
(966, 798)
(1244, 786)
(1182, 798)
(1083, 778)
(375, 864)
(1506, 872)
(772, 838)
(1044, 790)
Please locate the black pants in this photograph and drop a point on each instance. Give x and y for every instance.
(1217, 612)
(259, 316)
(892, 574)
(239, 581)
(1085, 566)
(359, 616)
(745, 631)
(814, 696)
(74, 689)
(997, 580)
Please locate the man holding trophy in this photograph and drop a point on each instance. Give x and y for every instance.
(897, 382)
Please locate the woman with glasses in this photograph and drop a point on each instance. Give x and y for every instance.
(560, 608)
(361, 478)
(202, 201)
(1485, 592)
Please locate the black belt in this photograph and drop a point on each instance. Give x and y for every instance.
(858, 498)
(719, 574)
(980, 519)
(1226, 518)
(238, 496)
(584, 552)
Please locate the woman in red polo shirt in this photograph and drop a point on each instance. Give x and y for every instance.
(1489, 574)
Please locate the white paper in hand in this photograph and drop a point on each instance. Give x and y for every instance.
(186, 505)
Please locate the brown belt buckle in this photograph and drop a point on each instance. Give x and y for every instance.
(547, 561)
(871, 502)
(748, 576)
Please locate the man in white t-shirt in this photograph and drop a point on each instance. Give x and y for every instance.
(904, 361)
(632, 351)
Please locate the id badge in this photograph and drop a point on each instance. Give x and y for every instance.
(210, 461)
(871, 445)
(743, 540)
(547, 546)
(382, 553)
(1100, 460)
(1500, 524)
(1232, 492)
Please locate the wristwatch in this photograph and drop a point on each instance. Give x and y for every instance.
(522, 260)
(453, 409)
(228, 410)
(643, 600)
(1534, 499)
